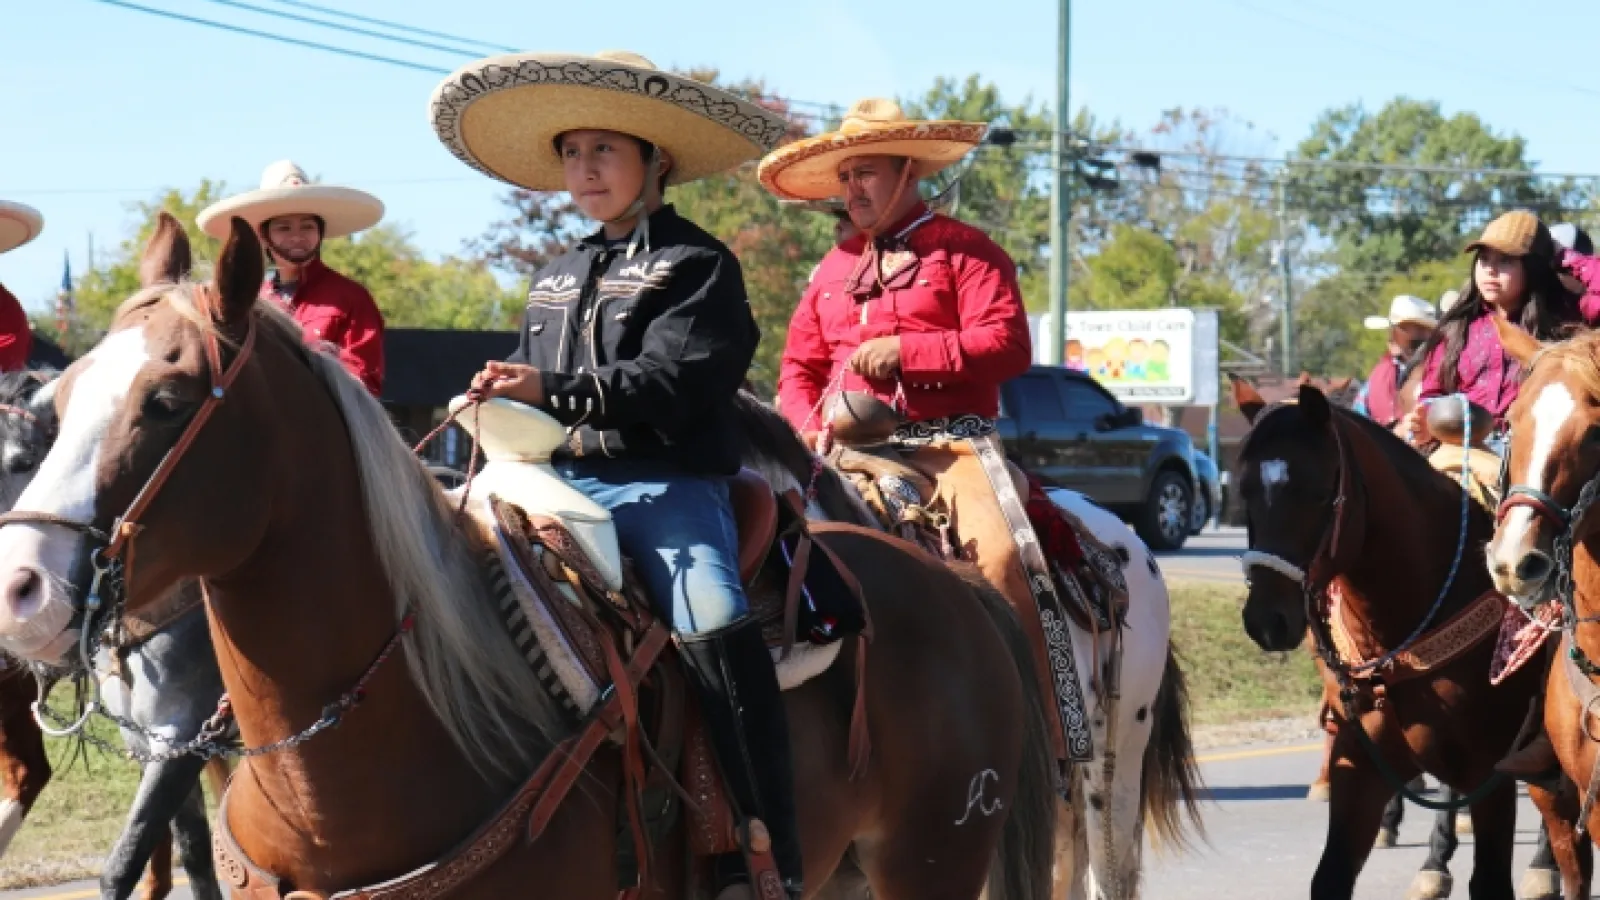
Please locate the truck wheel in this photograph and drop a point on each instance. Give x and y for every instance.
(1164, 521)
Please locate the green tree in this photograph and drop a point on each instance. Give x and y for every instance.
(1192, 230)
(1393, 219)
(999, 192)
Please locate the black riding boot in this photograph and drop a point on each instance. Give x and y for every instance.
(749, 730)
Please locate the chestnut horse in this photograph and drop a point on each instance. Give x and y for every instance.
(1312, 477)
(205, 433)
(1546, 548)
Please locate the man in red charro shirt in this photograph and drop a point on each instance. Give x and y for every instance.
(294, 217)
(923, 313)
(18, 225)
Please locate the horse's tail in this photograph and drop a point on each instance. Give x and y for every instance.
(1025, 856)
(1170, 788)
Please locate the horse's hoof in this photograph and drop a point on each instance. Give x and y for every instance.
(1463, 823)
(1318, 792)
(1430, 885)
(1386, 839)
(1540, 884)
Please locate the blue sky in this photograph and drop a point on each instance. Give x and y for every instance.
(103, 106)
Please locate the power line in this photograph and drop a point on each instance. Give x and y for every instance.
(394, 26)
(296, 42)
(1304, 162)
(347, 29)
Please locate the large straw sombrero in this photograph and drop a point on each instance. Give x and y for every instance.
(502, 115)
(285, 191)
(809, 169)
(19, 224)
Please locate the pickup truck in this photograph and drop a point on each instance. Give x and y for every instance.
(1067, 429)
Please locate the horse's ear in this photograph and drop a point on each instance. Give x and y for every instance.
(1247, 398)
(166, 257)
(1314, 405)
(1522, 346)
(239, 273)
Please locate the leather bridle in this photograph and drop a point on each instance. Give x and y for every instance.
(115, 553)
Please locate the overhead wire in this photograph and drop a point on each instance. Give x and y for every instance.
(393, 26)
(266, 35)
(346, 29)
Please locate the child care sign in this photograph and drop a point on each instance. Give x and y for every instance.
(1161, 356)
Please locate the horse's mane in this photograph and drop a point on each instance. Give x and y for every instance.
(466, 666)
(771, 446)
(1580, 358)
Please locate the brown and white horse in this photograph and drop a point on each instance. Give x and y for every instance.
(265, 470)
(1546, 548)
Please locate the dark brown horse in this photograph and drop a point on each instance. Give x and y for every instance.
(1338, 505)
(269, 473)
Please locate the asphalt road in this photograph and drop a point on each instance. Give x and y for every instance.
(1212, 557)
(1265, 838)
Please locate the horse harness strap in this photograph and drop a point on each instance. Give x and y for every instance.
(1436, 649)
(140, 625)
(1052, 613)
(519, 822)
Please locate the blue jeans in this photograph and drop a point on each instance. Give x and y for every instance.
(679, 531)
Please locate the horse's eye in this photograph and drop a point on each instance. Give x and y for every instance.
(1591, 436)
(164, 405)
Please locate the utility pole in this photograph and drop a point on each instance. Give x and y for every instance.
(1055, 336)
(1286, 318)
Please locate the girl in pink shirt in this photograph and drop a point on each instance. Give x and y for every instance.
(1513, 276)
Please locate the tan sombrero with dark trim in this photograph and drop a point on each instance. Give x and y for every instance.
(502, 115)
(19, 224)
(808, 169)
(285, 191)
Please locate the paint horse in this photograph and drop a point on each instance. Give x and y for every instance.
(1100, 838)
(151, 689)
(1545, 552)
(1386, 591)
(347, 607)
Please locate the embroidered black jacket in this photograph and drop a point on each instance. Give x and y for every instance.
(642, 357)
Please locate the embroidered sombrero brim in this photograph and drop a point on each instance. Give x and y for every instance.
(343, 210)
(809, 169)
(502, 115)
(19, 224)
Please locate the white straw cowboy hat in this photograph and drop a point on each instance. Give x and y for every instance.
(1448, 300)
(502, 115)
(285, 191)
(19, 224)
(1402, 310)
(808, 169)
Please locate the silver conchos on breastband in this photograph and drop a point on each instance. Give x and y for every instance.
(934, 431)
